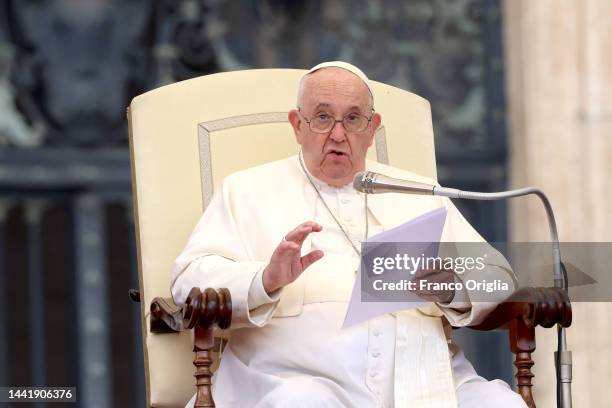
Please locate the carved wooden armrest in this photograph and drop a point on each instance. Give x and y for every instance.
(520, 314)
(201, 312)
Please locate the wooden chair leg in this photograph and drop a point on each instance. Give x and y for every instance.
(203, 342)
(522, 344)
(523, 364)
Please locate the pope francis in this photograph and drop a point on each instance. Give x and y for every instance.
(284, 238)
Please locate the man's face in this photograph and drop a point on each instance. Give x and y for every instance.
(335, 156)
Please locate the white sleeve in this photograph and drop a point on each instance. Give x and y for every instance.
(216, 257)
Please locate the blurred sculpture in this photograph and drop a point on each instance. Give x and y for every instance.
(13, 128)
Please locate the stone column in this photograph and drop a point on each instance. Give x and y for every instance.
(559, 89)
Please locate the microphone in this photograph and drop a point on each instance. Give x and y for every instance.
(373, 183)
(370, 182)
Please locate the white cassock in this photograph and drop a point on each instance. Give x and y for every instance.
(289, 350)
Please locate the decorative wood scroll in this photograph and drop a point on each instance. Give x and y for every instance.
(201, 312)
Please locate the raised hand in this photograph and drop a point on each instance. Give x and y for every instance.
(286, 264)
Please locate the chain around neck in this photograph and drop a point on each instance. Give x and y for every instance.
(346, 235)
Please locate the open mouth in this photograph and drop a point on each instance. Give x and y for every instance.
(337, 153)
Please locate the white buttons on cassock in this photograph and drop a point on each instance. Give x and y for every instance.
(380, 359)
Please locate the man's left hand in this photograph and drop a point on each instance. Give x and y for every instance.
(433, 277)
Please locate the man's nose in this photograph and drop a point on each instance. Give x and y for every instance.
(338, 133)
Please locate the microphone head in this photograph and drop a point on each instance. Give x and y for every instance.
(362, 181)
(358, 181)
(370, 182)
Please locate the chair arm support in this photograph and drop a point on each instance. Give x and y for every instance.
(532, 307)
(201, 312)
(520, 314)
(204, 309)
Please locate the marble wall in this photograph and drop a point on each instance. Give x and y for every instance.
(559, 90)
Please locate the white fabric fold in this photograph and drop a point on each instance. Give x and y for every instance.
(423, 375)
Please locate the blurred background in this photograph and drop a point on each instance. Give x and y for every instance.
(521, 93)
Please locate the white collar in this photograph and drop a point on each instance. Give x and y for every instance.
(324, 187)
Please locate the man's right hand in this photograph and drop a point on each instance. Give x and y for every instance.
(286, 264)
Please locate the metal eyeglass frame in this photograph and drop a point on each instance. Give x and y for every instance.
(336, 121)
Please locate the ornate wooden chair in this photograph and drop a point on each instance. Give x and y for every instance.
(181, 137)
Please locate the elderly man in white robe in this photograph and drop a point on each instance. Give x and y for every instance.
(284, 238)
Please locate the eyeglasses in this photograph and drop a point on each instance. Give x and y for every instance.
(323, 122)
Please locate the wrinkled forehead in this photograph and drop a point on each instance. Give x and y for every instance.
(329, 84)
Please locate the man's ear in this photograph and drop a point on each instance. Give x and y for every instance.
(376, 121)
(296, 123)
